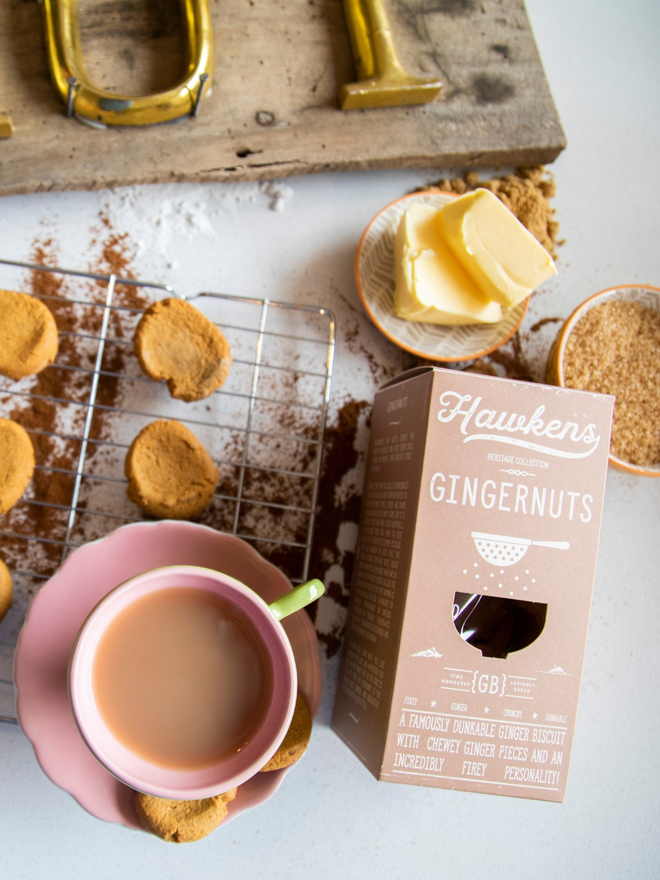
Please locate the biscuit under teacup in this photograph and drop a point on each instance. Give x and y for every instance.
(170, 474)
(295, 742)
(182, 821)
(28, 335)
(5, 589)
(174, 341)
(16, 463)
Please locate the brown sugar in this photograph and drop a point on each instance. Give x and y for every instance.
(615, 349)
(526, 193)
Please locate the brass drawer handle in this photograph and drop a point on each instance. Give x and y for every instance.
(383, 82)
(100, 107)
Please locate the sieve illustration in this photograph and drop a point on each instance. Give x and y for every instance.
(503, 550)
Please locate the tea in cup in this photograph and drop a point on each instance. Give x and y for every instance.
(182, 681)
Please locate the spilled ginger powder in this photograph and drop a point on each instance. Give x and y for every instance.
(526, 194)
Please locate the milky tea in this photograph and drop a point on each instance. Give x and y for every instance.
(472, 582)
(182, 678)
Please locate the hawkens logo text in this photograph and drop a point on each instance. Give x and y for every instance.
(495, 426)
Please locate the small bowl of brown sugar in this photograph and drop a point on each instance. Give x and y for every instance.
(611, 345)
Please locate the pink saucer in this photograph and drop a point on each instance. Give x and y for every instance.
(62, 604)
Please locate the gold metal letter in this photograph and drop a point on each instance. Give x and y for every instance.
(93, 104)
(382, 80)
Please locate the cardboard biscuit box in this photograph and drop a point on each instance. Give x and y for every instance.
(474, 571)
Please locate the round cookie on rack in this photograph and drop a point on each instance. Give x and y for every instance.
(174, 341)
(182, 821)
(16, 463)
(170, 474)
(5, 589)
(28, 335)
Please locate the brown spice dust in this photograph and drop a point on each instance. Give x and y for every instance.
(339, 458)
(53, 406)
(526, 193)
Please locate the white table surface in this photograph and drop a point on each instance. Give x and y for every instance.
(331, 818)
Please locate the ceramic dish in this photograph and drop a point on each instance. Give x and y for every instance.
(645, 295)
(61, 606)
(374, 274)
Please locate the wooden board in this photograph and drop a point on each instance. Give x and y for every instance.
(287, 58)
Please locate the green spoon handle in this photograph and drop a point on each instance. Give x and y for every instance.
(297, 599)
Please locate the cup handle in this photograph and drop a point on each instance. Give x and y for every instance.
(296, 599)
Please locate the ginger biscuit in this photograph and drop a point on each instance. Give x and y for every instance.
(5, 589)
(16, 463)
(170, 474)
(174, 341)
(296, 740)
(182, 821)
(28, 335)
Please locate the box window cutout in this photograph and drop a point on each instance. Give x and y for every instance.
(497, 626)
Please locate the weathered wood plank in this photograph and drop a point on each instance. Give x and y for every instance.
(287, 59)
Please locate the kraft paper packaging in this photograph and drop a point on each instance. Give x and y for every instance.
(472, 585)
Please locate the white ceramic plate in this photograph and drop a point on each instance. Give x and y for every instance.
(374, 273)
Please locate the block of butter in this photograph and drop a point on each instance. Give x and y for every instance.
(503, 257)
(431, 285)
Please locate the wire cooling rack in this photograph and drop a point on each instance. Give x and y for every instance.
(263, 428)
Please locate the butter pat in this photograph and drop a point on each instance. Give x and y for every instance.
(503, 257)
(431, 285)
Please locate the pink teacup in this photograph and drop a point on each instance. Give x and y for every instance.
(161, 778)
